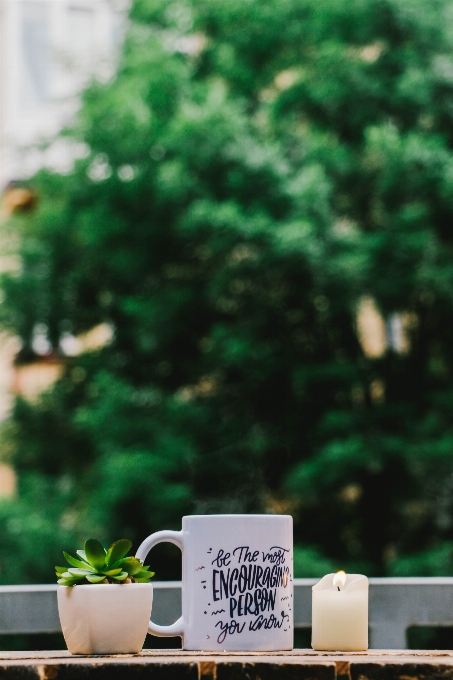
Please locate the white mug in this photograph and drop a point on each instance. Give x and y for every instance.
(237, 582)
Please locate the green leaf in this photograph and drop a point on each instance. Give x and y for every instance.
(113, 572)
(121, 576)
(141, 580)
(118, 563)
(118, 550)
(95, 578)
(82, 554)
(142, 574)
(74, 562)
(80, 572)
(95, 553)
(125, 561)
(72, 577)
(60, 570)
(66, 582)
(132, 565)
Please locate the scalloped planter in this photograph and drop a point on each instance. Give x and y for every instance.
(105, 619)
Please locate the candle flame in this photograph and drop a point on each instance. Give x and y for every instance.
(339, 579)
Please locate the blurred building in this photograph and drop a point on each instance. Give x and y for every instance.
(49, 51)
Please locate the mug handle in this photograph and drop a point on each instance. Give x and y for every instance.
(176, 628)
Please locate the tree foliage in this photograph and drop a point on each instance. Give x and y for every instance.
(253, 170)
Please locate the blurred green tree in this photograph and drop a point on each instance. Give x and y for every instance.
(253, 171)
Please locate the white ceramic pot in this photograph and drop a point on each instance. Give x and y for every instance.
(105, 618)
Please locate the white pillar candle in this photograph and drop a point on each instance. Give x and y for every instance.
(340, 613)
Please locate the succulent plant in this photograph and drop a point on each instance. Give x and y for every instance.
(97, 565)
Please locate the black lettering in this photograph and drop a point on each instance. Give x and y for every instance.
(262, 622)
(222, 559)
(233, 606)
(241, 548)
(233, 577)
(245, 555)
(251, 577)
(273, 578)
(223, 633)
(276, 555)
(224, 584)
(214, 589)
(242, 585)
(276, 577)
(271, 595)
(228, 628)
(259, 573)
(236, 627)
(257, 599)
(257, 624)
(248, 603)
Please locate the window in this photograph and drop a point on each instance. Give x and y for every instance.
(35, 50)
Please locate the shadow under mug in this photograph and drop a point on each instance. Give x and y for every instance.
(237, 582)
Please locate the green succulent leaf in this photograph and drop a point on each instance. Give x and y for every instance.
(118, 550)
(66, 582)
(95, 578)
(118, 563)
(132, 565)
(113, 572)
(97, 564)
(80, 572)
(74, 562)
(95, 553)
(82, 554)
(143, 575)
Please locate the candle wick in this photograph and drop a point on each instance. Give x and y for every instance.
(338, 588)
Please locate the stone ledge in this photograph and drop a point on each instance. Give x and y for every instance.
(299, 664)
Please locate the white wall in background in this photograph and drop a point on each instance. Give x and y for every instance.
(49, 51)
